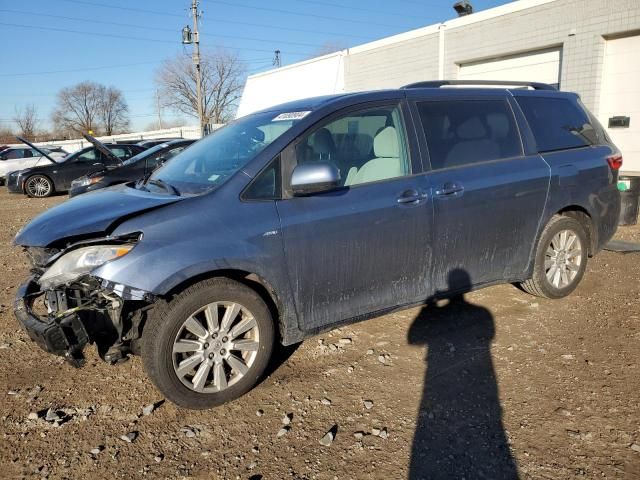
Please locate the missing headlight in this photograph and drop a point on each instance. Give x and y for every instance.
(39, 257)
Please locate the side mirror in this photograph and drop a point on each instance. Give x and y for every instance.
(310, 178)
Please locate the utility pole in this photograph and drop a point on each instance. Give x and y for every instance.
(159, 111)
(193, 38)
(277, 61)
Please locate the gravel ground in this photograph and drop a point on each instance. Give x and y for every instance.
(498, 385)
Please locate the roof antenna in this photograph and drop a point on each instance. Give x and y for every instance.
(463, 7)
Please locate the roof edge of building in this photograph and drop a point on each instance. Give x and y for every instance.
(506, 9)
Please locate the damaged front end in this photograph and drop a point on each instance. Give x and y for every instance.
(63, 307)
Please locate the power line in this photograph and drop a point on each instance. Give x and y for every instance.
(422, 4)
(53, 94)
(91, 20)
(15, 25)
(64, 30)
(172, 30)
(225, 21)
(103, 67)
(74, 70)
(130, 9)
(310, 15)
(363, 9)
(262, 67)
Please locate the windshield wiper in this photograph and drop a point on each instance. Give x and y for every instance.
(161, 183)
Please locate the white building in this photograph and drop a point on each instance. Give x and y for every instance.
(588, 46)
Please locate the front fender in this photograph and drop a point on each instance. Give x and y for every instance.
(189, 239)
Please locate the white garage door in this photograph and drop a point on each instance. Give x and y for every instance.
(539, 66)
(620, 97)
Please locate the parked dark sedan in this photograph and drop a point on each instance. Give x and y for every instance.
(44, 180)
(136, 167)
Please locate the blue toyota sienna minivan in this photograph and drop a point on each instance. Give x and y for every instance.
(317, 213)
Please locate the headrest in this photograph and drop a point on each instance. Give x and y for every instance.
(471, 129)
(323, 142)
(499, 124)
(385, 144)
(254, 134)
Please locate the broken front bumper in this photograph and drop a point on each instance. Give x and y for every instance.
(65, 336)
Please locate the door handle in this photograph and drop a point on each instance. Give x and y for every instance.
(411, 196)
(449, 189)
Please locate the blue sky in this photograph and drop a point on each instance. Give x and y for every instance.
(50, 44)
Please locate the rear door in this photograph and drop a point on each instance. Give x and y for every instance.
(488, 195)
(87, 162)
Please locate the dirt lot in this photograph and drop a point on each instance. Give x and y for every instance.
(501, 385)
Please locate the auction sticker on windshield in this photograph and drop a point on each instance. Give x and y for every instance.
(291, 116)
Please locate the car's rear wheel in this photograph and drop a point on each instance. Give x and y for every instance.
(208, 345)
(561, 259)
(38, 186)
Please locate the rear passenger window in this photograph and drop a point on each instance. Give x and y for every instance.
(366, 146)
(89, 156)
(558, 123)
(120, 152)
(463, 132)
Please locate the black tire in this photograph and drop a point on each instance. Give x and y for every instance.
(539, 284)
(166, 322)
(45, 186)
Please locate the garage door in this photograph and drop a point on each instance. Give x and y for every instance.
(538, 66)
(620, 98)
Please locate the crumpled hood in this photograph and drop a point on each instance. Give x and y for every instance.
(89, 214)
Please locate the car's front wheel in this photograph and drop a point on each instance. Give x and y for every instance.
(209, 344)
(561, 259)
(38, 186)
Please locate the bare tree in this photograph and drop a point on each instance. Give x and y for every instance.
(89, 106)
(27, 121)
(7, 136)
(77, 108)
(222, 83)
(113, 111)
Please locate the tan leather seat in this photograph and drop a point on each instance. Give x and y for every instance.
(386, 164)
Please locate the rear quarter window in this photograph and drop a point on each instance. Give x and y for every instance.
(558, 123)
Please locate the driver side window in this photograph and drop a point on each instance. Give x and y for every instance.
(365, 146)
(89, 156)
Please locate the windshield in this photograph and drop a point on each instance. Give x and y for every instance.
(207, 164)
(145, 153)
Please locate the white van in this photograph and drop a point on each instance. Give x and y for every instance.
(19, 158)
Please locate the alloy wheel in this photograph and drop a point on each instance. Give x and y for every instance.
(215, 347)
(38, 187)
(563, 258)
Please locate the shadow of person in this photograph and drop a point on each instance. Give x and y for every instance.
(459, 431)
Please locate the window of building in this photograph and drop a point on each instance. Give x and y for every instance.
(462, 132)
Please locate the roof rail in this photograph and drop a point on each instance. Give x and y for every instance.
(442, 83)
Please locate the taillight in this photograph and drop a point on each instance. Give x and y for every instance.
(615, 161)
